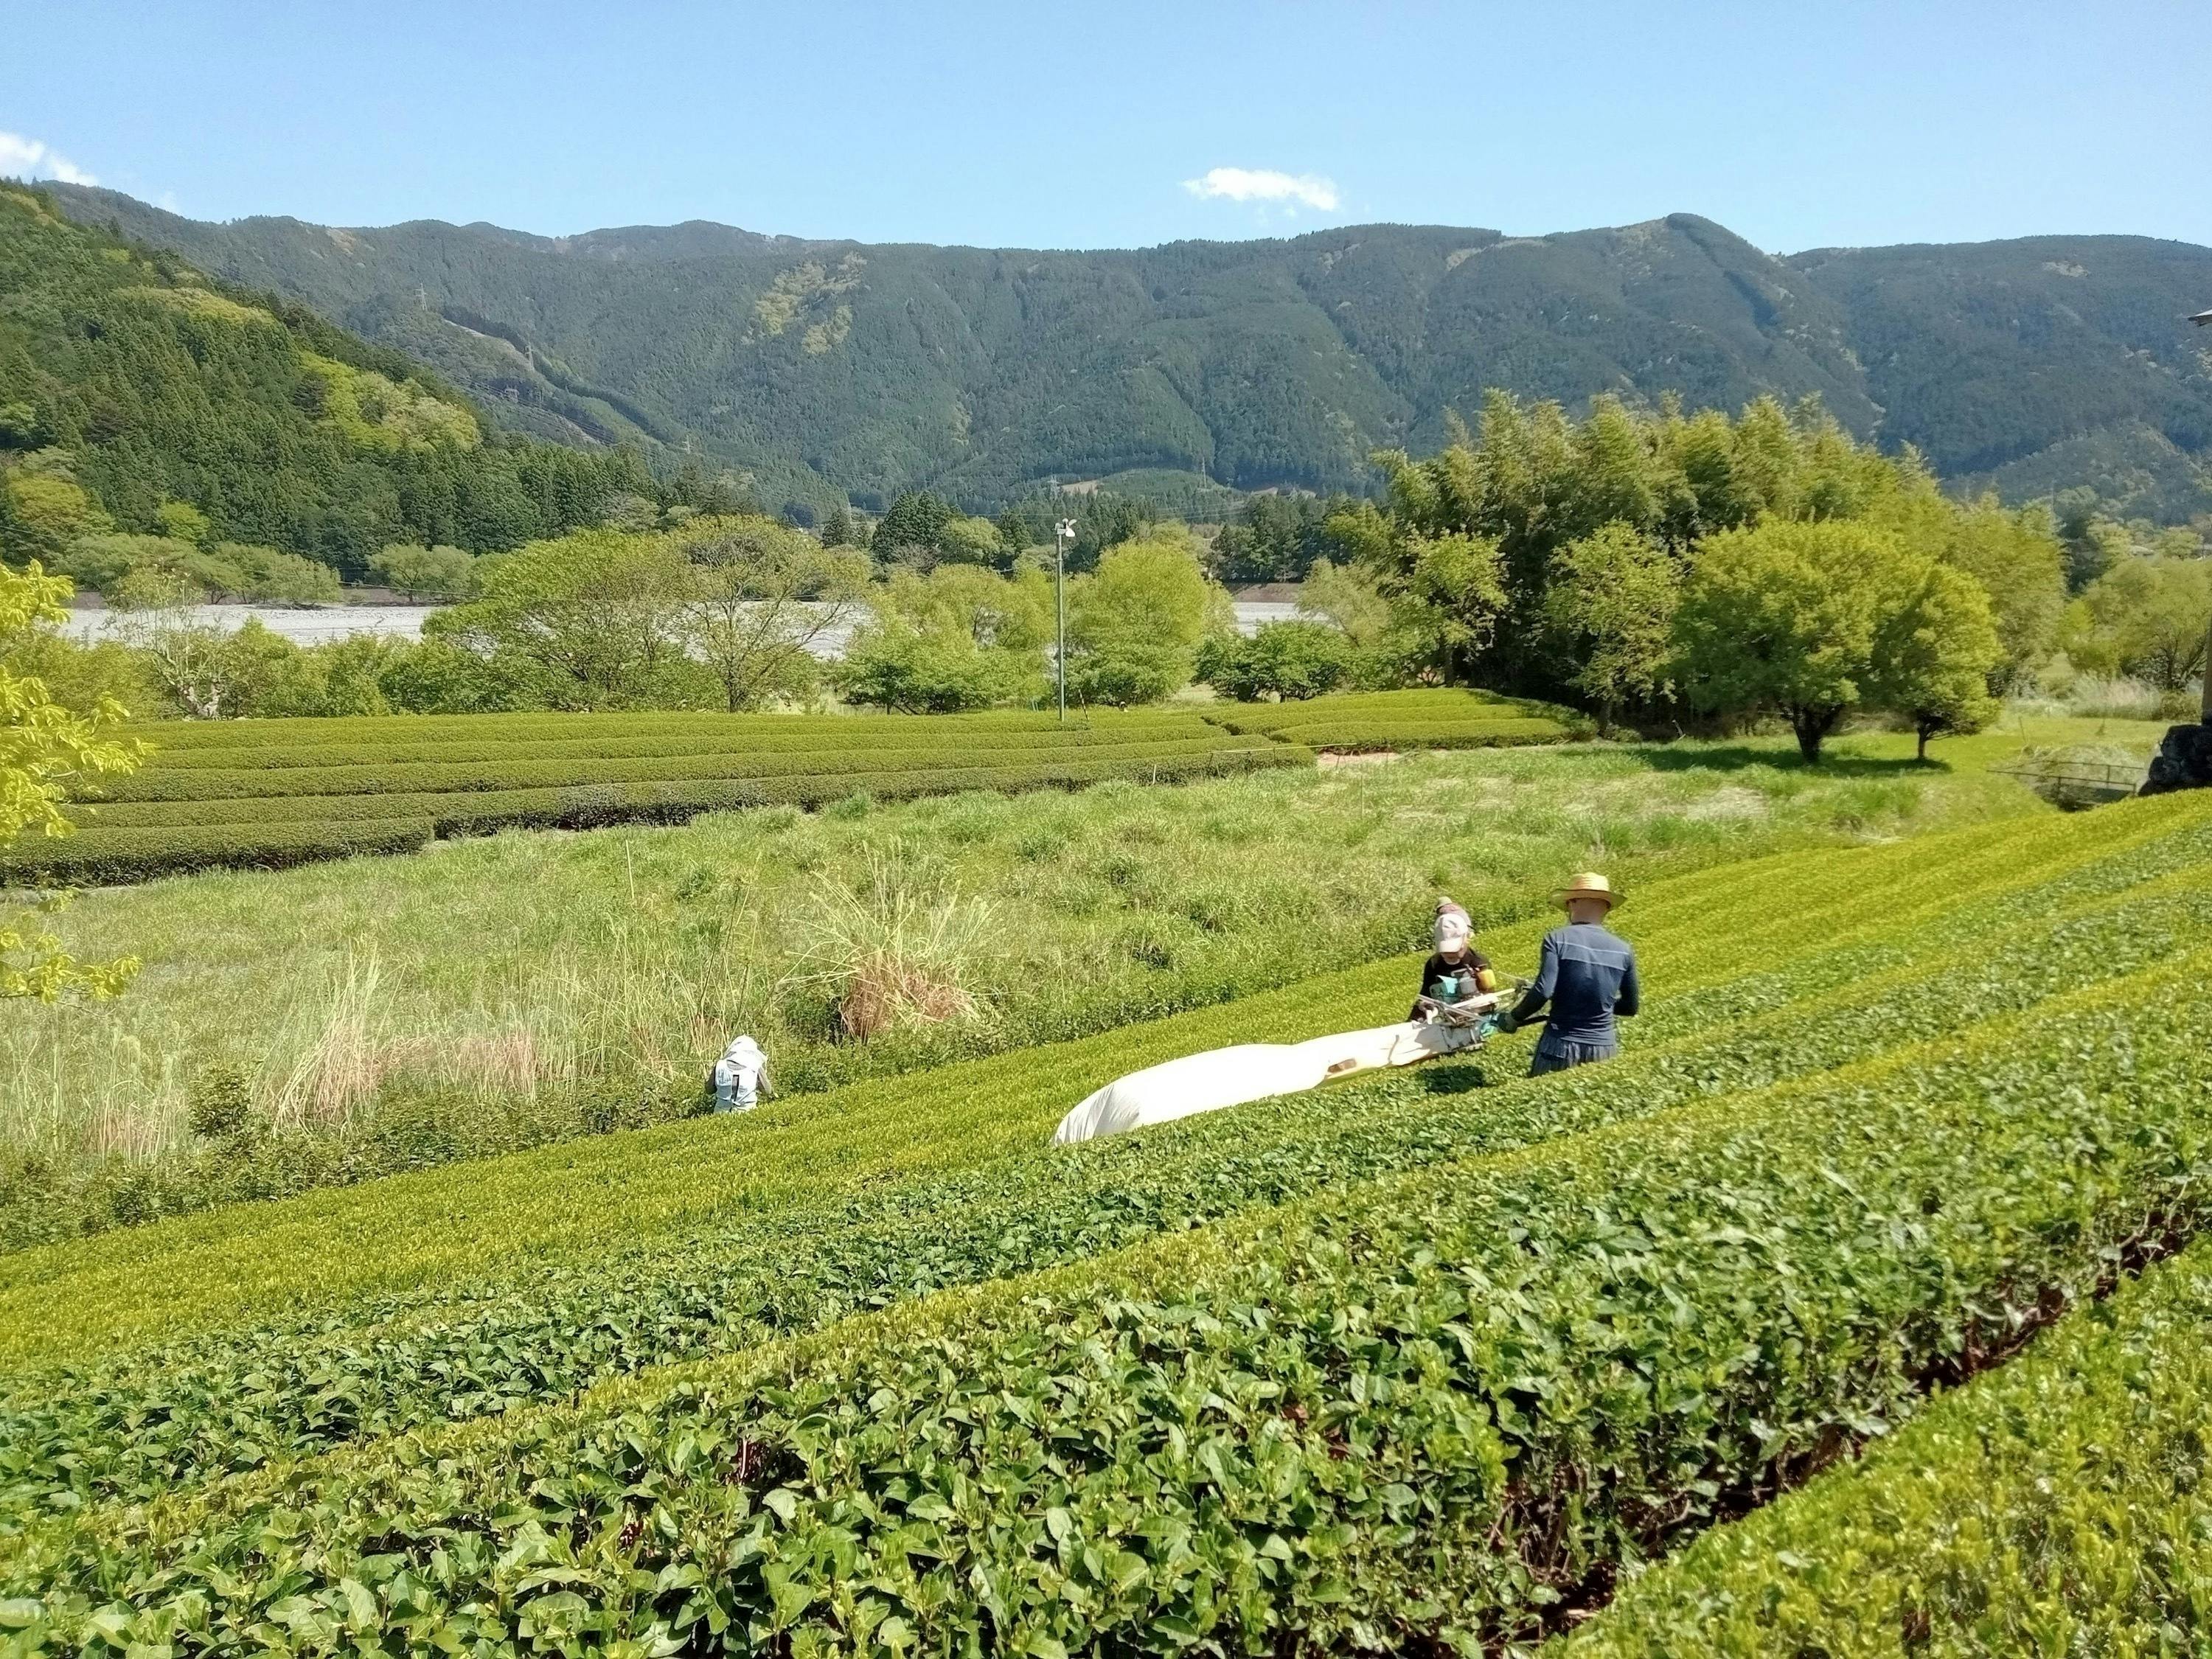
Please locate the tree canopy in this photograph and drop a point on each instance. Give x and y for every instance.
(46, 749)
(1135, 624)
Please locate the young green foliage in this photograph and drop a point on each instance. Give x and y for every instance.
(47, 752)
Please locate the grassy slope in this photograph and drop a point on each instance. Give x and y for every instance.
(534, 961)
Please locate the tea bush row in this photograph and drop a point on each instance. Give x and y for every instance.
(137, 841)
(1433, 1408)
(1435, 703)
(436, 728)
(768, 735)
(104, 858)
(2061, 1505)
(1431, 719)
(133, 1426)
(157, 783)
(1698, 931)
(1382, 736)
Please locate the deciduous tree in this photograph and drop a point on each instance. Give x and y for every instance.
(2145, 616)
(1287, 660)
(970, 541)
(435, 573)
(1934, 653)
(595, 617)
(47, 750)
(892, 664)
(1447, 595)
(1783, 616)
(1134, 624)
(1610, 604)
(763, 598)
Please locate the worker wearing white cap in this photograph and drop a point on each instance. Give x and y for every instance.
(737, 1076)
(1457, 970)
(1588, 976)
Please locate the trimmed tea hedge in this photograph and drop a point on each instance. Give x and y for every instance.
(1433, 1408)
(102, 858)
(1375, 737)
(267, 794)
(175, 736)
(2062, 1504)
(132, 1426)
(1372, 721)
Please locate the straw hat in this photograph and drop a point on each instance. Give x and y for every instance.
(1590, 885)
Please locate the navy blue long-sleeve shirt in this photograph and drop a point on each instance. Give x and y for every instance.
(1588, 975)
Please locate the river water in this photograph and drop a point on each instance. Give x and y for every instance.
(320, 624)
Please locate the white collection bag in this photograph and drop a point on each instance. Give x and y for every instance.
(1249, 1072)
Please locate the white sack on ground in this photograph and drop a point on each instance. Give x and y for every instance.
(1251, 1071)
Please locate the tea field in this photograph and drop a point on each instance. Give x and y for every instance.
(2057, 1505)
(269, 793)
(502, 992)
(1365, 722)
(1438, 1357)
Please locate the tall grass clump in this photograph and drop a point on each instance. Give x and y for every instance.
(893, 946)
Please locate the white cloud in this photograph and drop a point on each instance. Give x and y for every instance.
(27, 158)
(1265, 185)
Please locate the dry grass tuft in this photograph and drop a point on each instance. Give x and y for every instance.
(893, 945)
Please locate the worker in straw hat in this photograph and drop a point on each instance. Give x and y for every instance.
(1588, 976)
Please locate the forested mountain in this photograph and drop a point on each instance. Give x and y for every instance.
(133, 389)
(830, 368)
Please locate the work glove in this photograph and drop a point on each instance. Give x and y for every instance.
(1506, 1022)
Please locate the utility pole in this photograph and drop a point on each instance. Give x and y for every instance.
(1062, 534)
(2201, 319)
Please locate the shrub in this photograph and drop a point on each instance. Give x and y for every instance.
(1289, 660)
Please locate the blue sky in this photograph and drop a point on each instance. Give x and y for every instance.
(1127, 123)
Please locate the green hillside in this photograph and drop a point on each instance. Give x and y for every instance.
(831, 366)
(127, 380)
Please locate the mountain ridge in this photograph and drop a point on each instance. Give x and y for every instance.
(834, 368)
